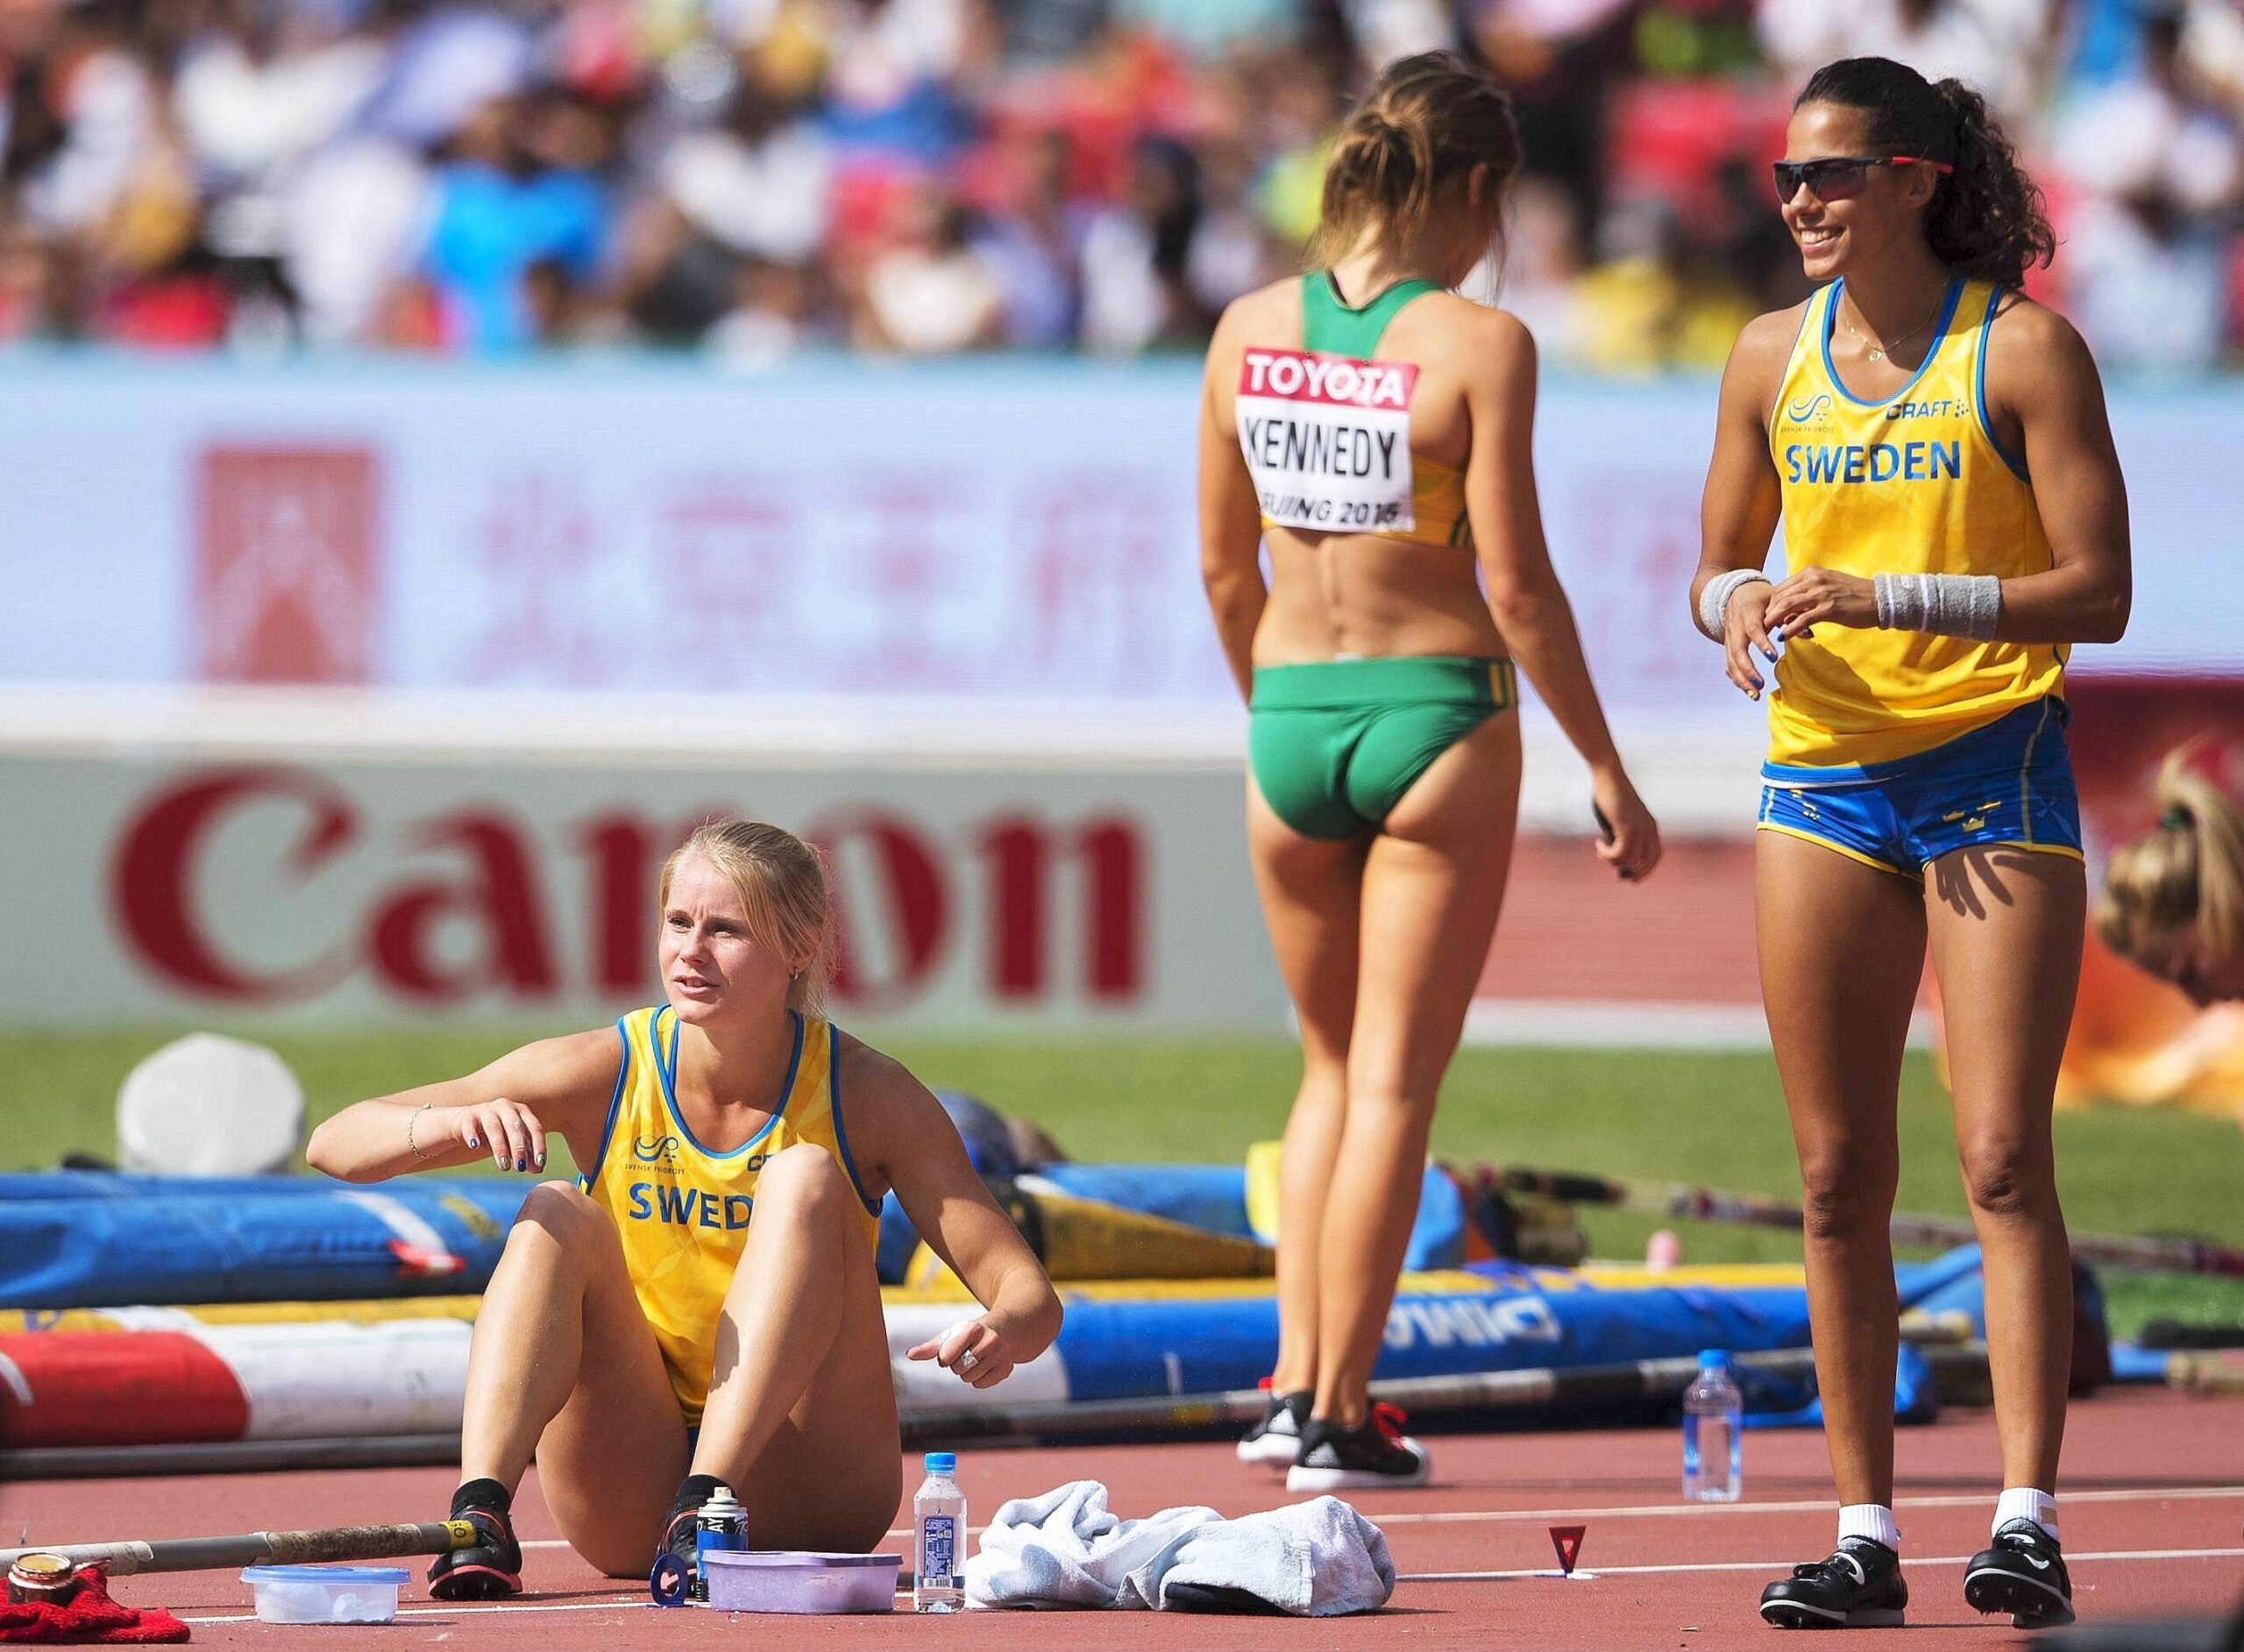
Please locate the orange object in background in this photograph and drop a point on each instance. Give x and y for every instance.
(2136, 1039)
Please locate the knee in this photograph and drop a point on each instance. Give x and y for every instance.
(557, 1217)
(1845, 1192)
(2007, 1178)
(806, 1180)
(1386, 1087)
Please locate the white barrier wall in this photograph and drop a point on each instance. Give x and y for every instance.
(1013, 530)
(947, 620)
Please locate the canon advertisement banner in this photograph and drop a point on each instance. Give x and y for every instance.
(362, 890)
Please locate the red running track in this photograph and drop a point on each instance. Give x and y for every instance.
(2152, 1498)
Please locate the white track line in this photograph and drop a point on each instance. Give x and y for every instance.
(1662, 1510)
(1656, 1510)
(633, 1603)
(1783, 1566)
(1659, 1511)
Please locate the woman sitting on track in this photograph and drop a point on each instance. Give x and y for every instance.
(2173, 898)
(1371, 429)
(1918, 786)
(641, 1335)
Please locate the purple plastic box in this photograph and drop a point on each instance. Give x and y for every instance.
(791, 1580)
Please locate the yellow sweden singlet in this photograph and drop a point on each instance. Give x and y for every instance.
(1913, 484)
(683, 1211)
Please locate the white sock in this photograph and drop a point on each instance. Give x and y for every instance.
(1873, 1520)
(2025, 1502)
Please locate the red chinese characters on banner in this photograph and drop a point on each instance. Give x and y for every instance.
(286, 565)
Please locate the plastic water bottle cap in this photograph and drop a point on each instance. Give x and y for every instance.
(941, 1462)
(1714, 1359)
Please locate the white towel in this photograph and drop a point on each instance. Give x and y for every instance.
(1318, 1559)
(1066, 1548)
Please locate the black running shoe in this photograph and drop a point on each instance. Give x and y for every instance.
(1859, 1587)
(489, 1569)
(1276, 1439)
(1375, 1452)
(2023, 1574)
(680, 1536)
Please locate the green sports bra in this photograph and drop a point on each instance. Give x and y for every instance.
(1332, 328)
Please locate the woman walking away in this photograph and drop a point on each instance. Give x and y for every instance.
(1372, 429)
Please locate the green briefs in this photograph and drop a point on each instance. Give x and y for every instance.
(1334, 744)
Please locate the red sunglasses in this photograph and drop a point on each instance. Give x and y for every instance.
(1841, 177)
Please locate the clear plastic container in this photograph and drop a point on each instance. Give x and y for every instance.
(938, 1530)
(1713, 1432)
(326, 1594)
(780, 1581)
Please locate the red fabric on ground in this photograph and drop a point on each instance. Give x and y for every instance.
(89, 1618)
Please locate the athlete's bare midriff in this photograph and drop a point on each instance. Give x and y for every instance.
(1338, 594)
(1343, 594)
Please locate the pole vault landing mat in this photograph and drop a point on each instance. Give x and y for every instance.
(159, 1376)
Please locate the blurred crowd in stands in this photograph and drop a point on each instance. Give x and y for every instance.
(753, 178)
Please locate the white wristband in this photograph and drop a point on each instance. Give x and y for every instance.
(1967, 606)
(1715, 595)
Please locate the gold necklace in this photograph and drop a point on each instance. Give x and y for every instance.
(1878, 352)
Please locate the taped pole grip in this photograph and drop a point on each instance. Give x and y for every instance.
(253, 1549)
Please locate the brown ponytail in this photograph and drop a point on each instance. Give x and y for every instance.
(2185, 877)
(1986, 220)
(1423, 125)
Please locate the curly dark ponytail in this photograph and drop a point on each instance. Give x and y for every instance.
(1986, 220)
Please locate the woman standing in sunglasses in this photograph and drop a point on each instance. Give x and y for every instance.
(1954, 519)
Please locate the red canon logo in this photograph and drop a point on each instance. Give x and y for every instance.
(477, 869)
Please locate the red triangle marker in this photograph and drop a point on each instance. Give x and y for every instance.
(1567, 1541)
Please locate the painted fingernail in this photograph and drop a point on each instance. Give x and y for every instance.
(522, 1164)
(473, 1143)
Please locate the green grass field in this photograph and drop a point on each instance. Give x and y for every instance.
(1712, 1118)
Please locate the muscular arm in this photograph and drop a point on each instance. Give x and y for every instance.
(505, 1109)
(1231, 517)
(2042, 381)
(1737, 514)
(1525, 598)
(909, 1142)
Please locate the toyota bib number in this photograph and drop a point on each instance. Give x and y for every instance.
(1327, 439)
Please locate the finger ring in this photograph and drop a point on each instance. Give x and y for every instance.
(968, 1360)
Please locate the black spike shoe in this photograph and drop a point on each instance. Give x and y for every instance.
(491, 1569)
(2023, 1573)
(1858, 1587)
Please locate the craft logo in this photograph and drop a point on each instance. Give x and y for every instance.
(661, 1149)
(1809, 410)
(285, 564)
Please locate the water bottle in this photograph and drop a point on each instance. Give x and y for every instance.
(939, 1526)
(722, 1523)
(1713, 1427)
